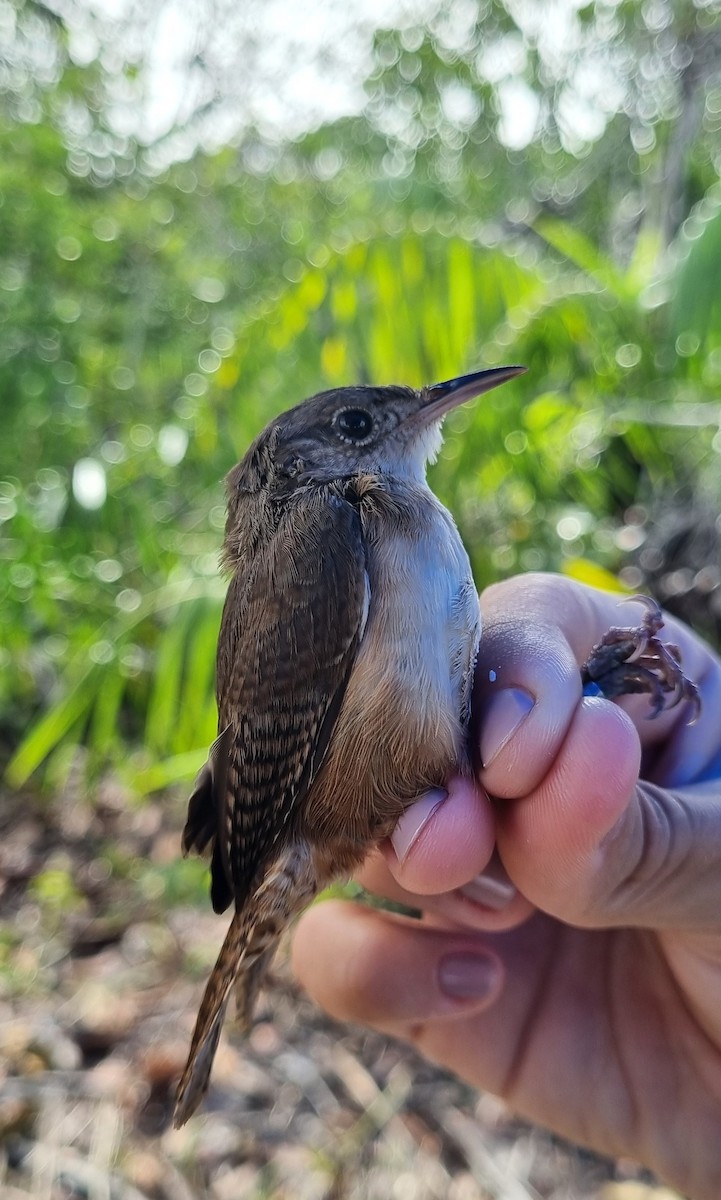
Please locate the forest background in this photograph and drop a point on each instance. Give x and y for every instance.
(208, 212)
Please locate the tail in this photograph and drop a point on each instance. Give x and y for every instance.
(245, 954)
(196, 1076)
(254, 968)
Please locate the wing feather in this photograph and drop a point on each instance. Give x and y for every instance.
(292, 624)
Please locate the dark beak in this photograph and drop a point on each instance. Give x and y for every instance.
(440, 398)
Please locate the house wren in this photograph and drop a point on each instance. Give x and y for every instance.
(344, 671)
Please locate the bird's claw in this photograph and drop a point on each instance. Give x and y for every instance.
(633, 660)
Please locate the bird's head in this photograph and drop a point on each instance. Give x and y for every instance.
(394, 430)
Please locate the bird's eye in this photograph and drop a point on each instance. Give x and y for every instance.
(354, 424)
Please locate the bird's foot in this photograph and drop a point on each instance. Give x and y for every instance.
(633, 660)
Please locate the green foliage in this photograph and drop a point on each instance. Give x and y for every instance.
(55, 890)
(184, 881)
(151, 323)
(696, 304)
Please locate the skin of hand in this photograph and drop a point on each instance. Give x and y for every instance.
(569, 954)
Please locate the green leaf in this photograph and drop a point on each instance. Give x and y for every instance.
(580, 250)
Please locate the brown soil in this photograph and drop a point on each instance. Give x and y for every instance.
(105, 939)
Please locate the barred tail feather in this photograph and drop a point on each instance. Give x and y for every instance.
(289, 884)
(256, 962)
(196, 1076)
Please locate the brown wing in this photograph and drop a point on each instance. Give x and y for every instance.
(293, 618)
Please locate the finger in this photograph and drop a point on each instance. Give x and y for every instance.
(442, 841)
(516, 1013)
(595, 848)
(488, 902)
(496, 1003)
(363, 965)
(538, 630)
(571, 1029)
(693, 753)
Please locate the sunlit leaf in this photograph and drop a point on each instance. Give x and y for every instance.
(581, 251)
(591, 573)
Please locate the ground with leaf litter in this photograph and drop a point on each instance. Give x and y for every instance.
(105, 941)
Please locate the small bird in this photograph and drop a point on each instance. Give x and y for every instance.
(344, 669)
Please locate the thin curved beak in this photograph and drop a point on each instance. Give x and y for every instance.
(440, 398)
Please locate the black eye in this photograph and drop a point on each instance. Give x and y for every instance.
(354, 424)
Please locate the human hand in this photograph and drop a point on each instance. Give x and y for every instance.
(579, 975)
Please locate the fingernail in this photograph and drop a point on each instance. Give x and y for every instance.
(414, 820)
(491, 889)
(503, 714)
(467, 976)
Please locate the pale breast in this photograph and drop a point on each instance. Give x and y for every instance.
(404, 720)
